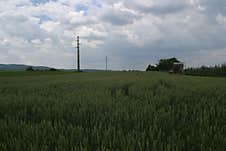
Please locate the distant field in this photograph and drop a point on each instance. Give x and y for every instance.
(111, 111)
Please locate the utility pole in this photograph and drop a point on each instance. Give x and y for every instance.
(78, 54)
(106, 63)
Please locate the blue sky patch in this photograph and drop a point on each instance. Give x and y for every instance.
(81, 7)
(44, 18)
(37, 2)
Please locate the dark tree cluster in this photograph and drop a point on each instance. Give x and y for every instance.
(163, 65)
(53, 69)
(30, 69)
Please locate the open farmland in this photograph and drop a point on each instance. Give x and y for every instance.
(111, 111)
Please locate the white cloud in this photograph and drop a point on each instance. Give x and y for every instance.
(49, 25)
(44, 34)
(221, 19)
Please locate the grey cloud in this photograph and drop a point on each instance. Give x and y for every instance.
(214, 6)
(20, 26)
(119, 18)
(118, 14)
(132, 33)
(162, 10)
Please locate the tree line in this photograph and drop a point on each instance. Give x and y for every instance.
(217, 70)
(30, 68)
(167, 65)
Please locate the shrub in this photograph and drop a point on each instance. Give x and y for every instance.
(30, 68)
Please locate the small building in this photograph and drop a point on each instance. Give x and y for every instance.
(178, 67)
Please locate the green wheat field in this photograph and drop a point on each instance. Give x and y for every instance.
(111, 111)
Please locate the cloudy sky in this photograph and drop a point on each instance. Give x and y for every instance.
(132, 33)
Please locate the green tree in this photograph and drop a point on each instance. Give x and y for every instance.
(166, 64)
(163, 65)
(53, 69)
(29, 68)
(151, 68)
